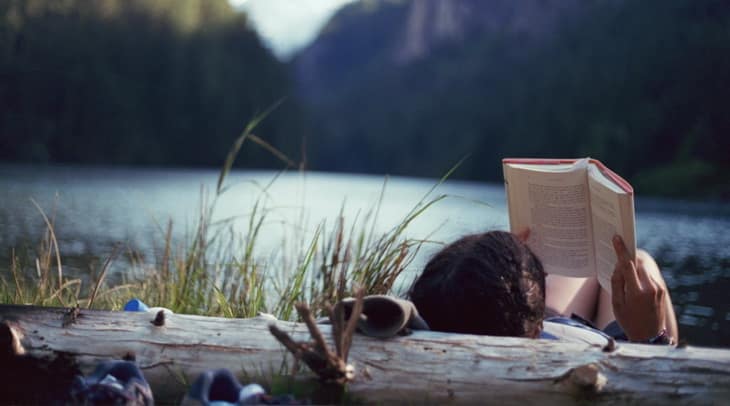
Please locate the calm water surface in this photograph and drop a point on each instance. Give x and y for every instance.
(96, 208)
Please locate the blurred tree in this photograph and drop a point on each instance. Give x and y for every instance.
(136, 82)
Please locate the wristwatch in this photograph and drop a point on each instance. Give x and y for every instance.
(660, 339)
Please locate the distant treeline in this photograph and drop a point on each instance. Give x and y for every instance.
(642, 85)
(156, 82)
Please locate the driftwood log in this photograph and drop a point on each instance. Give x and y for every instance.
(51, 344)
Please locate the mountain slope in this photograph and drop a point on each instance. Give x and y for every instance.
(412, 86)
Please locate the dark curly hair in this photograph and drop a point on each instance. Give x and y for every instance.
(487, 283)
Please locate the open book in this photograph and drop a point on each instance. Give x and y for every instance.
(573, 208)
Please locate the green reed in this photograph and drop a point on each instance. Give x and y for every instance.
(217, 271)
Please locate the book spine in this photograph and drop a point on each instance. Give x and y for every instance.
(618, 180)
(538, 161)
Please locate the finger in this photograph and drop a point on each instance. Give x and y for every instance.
(622, 253)
(626, 265)
(523, 234)
(617, 288)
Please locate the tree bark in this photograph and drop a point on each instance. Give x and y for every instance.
(427, 367)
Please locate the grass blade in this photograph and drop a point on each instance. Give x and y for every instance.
(233, 153)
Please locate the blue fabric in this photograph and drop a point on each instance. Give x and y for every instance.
(614, 330)
(574, 323)
(548, 336)
(136, 305)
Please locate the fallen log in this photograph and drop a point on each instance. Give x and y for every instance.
(422, 367)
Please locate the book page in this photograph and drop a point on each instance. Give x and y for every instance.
(610, 216)
(556, 208)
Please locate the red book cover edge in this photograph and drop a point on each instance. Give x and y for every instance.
(623, 184)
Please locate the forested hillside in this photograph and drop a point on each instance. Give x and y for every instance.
(410, 87)
(136, 82)
(390, 86)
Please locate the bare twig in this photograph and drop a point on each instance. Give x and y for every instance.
(306, 315)
(352, 322)
(326, 365)
(329, 366)
(286, 340)
(337, 319)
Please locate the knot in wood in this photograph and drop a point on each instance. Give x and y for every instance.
(610, 345)
(159, 319)
(588, 377)
(70, 316)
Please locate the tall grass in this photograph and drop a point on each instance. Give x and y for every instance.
(217, 270)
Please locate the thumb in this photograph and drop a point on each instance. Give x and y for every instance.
(622, 253)
(523, 234)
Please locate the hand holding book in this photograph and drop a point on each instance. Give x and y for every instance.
(640, 300)
(578, 217)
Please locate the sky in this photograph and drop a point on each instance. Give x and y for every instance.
(287, 26)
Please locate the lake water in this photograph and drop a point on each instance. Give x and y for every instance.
(96, 208)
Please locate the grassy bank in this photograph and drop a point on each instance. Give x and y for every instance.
(217, 269)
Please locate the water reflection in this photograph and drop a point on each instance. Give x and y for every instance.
(699, 287)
